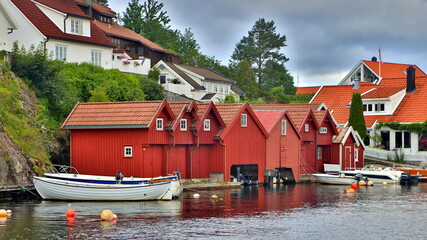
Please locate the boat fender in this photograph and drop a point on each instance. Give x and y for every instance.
(349, 190)
(362, 183)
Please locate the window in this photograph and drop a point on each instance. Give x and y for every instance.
(306, 127)
(60, 52)
(128, 151)
(221, 88)
(323, 130)
(398, 139)
(183, 124)
(356, 155)
(159, 124)
(406, 139)
(162, 79)
(365, 107)
(96, 58)
(215, 87)
(226, 88)
(369, 107)
(283, 127)
(319, 153)
(207, 125)
(244, 120)
(76, 26)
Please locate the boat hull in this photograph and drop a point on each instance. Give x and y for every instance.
(56, 189)
(333, 179)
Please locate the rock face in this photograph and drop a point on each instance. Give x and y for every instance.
(16, 168)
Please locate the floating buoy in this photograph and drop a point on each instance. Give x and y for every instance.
(354, 186)
(349, 190)
(384, 183)
(370, 183)
(196, 195)
(3, 213)
(9, 212)
(70, 212)
(114, 217)
(107, 215)
(214, 196)
(362, 183)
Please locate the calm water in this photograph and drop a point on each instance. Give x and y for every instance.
(303, 211)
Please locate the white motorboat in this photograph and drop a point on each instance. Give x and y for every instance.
(334, 179)
(377, 174)
(56, 189)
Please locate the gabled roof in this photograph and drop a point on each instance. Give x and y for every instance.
(324, 115)
(203, 111)
(64, 6)
(208, 74)
(50, 30)
(115, 115)
(300, 116)
(237, 90)
(382, 92)
(115, 30)
(230, 113)
(183, 75)
(392, 70)
(179, 109)
(271, 118)
(413, 106)
(344, 133)
(307, 90)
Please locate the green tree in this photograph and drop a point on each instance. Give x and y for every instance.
(99, 94)
(261, 44)
(229, 99)
(356, 119)
(276, 75)
(189, 48)
(245, 79)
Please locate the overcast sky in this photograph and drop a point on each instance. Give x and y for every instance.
(325, 39)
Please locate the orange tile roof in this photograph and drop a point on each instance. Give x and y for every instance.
(382, 92)
(337, 98)
(298, 117)
(269, 118)
(313, 106)
(178, 108)
(116, 30)
(307, 90)
(413, 106)
(392, 70)
(229, 111)
(113, 115)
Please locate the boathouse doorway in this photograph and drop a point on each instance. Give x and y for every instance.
(246, 173)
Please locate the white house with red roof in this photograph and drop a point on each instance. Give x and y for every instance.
(391, 93)
(197, 83)
(62, 28)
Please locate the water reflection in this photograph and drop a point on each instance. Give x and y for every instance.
(254, 212)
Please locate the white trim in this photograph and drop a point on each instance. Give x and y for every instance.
(244, 120)
(315, 95)
(207, 127)
(283, 127)
(125, 152)
(181, 126)
(306, 127)
(159, 124)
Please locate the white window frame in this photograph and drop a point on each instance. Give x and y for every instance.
(207, 125)
(356, 155)
(76, 26)
(159, 124)
(283, 129)
(306, 127)
(323, 130)
(128, 151)
(183, 124)
(244, 120)
(60, 52)
(96, 57)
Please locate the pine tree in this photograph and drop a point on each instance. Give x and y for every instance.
(356, 119)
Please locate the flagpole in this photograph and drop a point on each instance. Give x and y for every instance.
(379, 63)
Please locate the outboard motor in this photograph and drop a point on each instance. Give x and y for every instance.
(405, 178)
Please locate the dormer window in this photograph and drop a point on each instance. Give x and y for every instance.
(76, 26)
(159, 124)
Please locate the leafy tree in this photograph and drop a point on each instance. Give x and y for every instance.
(152, 90)
(229, 99)
(103, 2)
(132, 17)
(99, 94)
(276, 75)
(356, 119)
(245, 79)
(277, 95)
(189, 48)
(261, 45)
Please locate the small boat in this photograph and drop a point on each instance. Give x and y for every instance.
(119, 178)
(56, 189)
(377, 174)
(420, 170)
(334, 179)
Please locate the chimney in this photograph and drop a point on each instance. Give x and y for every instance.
(356, 83)
(374, 59)
(410, 79)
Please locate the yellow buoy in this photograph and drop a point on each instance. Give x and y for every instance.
(3, 213)
(370, 183)
(107, 215)
(349, 190)
(362, 183)
(384, 183)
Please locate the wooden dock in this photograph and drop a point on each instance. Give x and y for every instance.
(17, 192)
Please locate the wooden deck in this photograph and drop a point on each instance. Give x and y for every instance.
(17, 192)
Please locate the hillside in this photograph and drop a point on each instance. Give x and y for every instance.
(22, 141)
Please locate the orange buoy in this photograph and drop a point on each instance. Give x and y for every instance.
(70, 212)
(349, 190)
(107, 215)
(3, 213)
(354, 186)
(362, 183)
